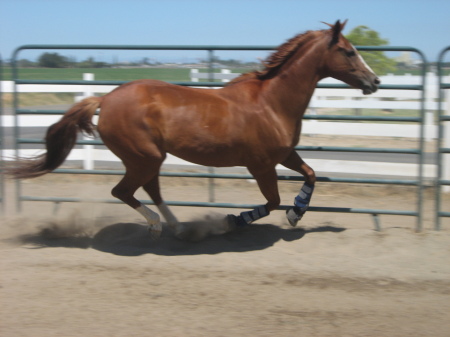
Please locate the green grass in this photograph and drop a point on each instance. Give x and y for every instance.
(101, 74)
(106, 74)
(164, 74)
(119, 74)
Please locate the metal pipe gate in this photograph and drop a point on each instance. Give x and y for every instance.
(419, 152)
(2, 178)
(441, 148)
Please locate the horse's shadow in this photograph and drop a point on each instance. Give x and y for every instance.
(132, 239)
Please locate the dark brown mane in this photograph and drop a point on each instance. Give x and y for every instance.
(278, 58)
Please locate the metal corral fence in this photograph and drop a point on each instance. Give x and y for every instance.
(2, 181)
(442, 148)
(418, 152)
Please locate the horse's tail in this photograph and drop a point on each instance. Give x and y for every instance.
(59, 141)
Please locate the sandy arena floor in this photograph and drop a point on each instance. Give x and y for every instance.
(91, 270)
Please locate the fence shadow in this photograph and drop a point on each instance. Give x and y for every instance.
(132, 239)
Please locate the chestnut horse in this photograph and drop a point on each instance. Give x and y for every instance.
(254, 122)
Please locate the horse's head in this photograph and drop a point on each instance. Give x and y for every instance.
(346, 64)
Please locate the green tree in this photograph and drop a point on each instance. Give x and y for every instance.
(52, 60)
(377, 60)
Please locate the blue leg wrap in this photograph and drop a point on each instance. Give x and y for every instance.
(304, 197)
(301, 204)
(246, 218)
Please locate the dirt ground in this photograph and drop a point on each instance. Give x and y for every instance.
(91, 270)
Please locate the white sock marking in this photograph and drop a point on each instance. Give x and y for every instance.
(167, 214)
(151, 217)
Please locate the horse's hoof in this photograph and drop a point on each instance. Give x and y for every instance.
(154, 235)
(294, 215)
(235, 221)
(154, 231)
(180, 231)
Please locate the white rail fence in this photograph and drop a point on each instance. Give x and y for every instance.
(323, 98)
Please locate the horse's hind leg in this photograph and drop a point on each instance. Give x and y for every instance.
(153, 190)
(125, 190)
(301, 202)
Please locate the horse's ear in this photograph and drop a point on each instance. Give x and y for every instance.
(343, 24)
(336, 29)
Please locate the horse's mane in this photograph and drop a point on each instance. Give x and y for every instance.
(278, 58)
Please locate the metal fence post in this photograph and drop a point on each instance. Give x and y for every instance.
(446, 144)
(2, 181)
(211, 170)
(442, 143)
(420, 186)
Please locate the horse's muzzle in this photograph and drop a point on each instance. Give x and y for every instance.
(370, 87)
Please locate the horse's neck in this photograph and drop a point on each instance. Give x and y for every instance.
(290, 91)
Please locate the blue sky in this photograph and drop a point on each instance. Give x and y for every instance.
(421, 24)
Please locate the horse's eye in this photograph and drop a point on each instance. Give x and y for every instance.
(350, 53)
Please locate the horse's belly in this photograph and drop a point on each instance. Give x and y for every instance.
(218, 159)
(224, 156)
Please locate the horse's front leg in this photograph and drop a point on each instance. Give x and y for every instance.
(301, 202)
(268, 184)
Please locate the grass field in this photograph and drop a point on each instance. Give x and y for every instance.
(129, 74)
(106, 74)
(101, 74)
(117, 74)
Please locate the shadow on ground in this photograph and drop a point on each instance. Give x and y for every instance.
(132, 239)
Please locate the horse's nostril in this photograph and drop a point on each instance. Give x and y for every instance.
(377, 81)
